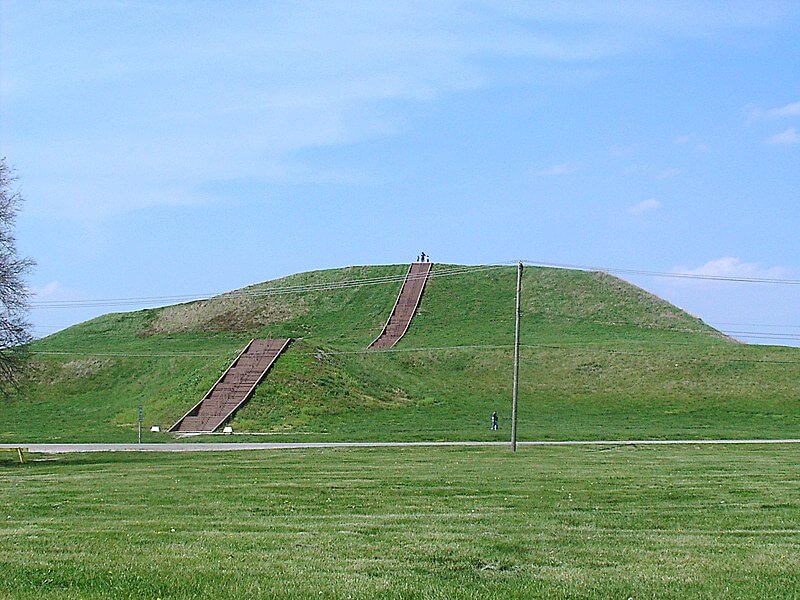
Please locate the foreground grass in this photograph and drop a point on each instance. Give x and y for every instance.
(619, 522)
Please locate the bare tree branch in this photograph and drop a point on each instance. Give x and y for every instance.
(14, 293)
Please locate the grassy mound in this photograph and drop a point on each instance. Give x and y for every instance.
(601, 359)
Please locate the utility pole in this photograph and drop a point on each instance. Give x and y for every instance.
(516, 363)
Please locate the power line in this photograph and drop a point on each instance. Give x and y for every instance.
(655, 327)
(674, 274)
(428, 349)
(130, 354)
(766, 336)
(268, 291)
(721, 324)
(262, 292)
(431, 320)
(344, 284)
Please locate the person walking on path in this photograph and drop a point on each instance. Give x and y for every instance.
(494, 421)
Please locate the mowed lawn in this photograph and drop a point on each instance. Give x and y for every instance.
(604, 522)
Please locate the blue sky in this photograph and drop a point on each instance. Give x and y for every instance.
(196, 147)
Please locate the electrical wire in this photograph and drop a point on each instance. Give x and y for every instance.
(429, 320)
(774, 326)
(578, 346)
(673, 274)
(533, 322)
(261, 292)
(534, 319)
(128, 354)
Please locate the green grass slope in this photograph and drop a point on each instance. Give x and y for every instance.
(600, 359)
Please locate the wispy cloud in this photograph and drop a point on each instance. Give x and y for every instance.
(687, 139)
(644, 206)
(756, 113)
(790, 110)
(246, 93)
(48, 290)
(625, 149)
(686, 17)
(670, 172)
(790, 136)
(562, 169)
(729, 266)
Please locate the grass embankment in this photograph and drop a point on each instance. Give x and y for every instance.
(624, 522)
(602, 359)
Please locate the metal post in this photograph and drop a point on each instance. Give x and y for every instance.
(516, 363)
(140, 424)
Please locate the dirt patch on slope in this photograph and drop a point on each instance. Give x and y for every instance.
(234, 312)
(74, 369)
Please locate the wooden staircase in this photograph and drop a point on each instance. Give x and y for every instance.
(405, 306)
(234, 388)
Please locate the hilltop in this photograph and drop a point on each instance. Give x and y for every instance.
(601, 358)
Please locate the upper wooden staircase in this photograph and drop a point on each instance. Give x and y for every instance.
(405, 306)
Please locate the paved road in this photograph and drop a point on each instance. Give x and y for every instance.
(217, 447)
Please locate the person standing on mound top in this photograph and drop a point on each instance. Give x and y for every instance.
(494, 421)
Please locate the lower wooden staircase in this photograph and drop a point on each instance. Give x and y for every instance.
(234, 388)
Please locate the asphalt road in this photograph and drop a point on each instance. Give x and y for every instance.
(219, 447)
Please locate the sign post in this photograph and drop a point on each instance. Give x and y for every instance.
(140, 424)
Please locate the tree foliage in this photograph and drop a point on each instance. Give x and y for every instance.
(14, 294)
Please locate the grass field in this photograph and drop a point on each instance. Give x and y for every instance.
(616, 522)
(602, 359)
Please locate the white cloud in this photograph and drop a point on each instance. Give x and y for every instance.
(792, 109)
(562, 169)
(729, 266)
(686, 17)
(670, 172)
(625, 149)
(724, 304)
(686, 139)
(47, 290)
(243, 93)
(790, 136)
(644, 206)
